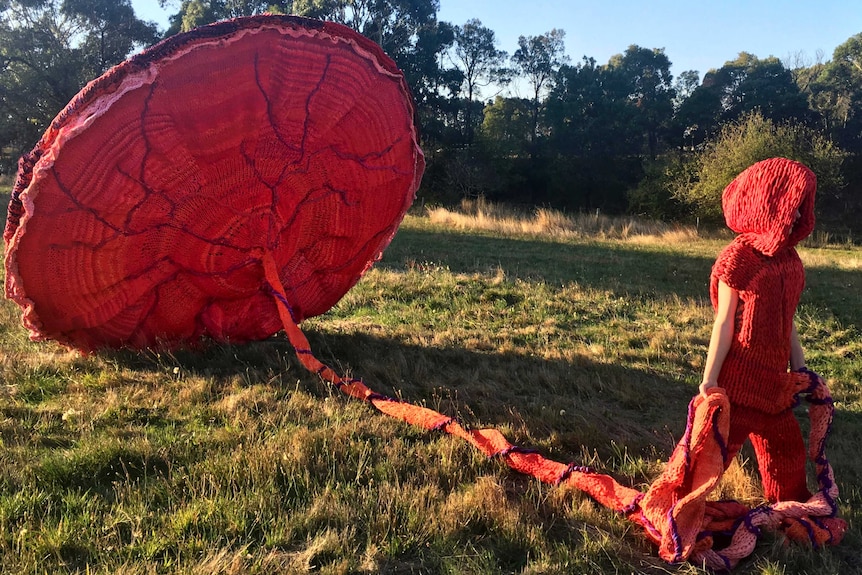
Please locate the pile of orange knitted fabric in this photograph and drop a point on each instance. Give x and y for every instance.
(675, 512)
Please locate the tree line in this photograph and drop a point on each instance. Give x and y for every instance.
(622, 137)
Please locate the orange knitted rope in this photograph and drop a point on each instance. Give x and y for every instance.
(674, 512)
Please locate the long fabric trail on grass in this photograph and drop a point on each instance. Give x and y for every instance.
(674, 511)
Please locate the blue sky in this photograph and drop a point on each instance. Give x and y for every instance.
(696, 34)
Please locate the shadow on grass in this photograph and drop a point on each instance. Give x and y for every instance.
(593, 414)
(565, 409)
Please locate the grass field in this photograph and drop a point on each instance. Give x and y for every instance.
(235, 460)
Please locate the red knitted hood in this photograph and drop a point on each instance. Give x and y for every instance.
(761, 204)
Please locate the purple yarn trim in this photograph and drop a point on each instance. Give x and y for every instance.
(654, 533)
(814, 380)
(820, 459)
(675, 536)
(748, 518)
(685, 442)
(833, 506)
(572, 467)
(811, 535)
(823, 478)
(634, 506)
(283, 300)
(718, 438)
(817, 521)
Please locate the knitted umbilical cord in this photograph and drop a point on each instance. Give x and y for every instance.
(674, 512)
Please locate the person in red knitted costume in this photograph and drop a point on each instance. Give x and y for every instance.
(755, 286)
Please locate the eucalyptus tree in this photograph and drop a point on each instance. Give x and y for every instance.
(408, 31)
(594, 137)
(650, 89)
(836, 92)
(48, 50)
(393, 24)
(749, 83)
(110, 31)
(506, 126)
(194, 13)
(740, 87)
(480, 64)
(588, 113)
(538, 58)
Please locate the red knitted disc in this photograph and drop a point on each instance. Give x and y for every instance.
(142, 215)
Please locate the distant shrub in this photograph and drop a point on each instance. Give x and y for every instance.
(750, 139)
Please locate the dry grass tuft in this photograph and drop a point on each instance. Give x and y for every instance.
(483, 215)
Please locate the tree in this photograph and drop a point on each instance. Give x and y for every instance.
(506, 126)
(112, 31)
(194, 13)
(692, 107)
(647, 73)
(739, 87)
(750, 83)
(537, 59)
(836, 92)
(684, 86)
(48, 51)
(588, 114)
(480, 62)
(393, 24)
(407, 30)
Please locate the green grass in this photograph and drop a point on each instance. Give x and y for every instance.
(236, 460)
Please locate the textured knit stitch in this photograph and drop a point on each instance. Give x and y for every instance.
(754, 373)
(762, 201)
(780, 450)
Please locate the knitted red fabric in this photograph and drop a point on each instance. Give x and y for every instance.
(779, 448)
(141, 216)
(754, 372)
(771, 206)
(674, 512)
(761, 204)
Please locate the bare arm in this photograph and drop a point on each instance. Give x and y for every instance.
(722, 335)
(797, 356)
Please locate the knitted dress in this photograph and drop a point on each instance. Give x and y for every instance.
(771, 206)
